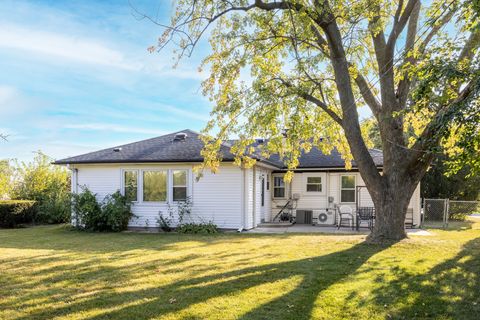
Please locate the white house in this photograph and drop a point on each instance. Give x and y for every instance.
(157, 173)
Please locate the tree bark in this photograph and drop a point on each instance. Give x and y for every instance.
(391, 207)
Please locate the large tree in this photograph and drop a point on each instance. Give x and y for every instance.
(296, 72)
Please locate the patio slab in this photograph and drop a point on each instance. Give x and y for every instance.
(297, 228)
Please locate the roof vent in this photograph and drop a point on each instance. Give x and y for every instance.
(260, 140)
(181, 136)
(117, 149)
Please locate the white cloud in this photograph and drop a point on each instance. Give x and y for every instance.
(13, 102)
(64, 46)
(113, 127)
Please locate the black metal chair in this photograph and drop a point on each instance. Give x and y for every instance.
(366, 214)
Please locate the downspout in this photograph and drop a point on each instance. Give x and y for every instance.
(243, 205)
(254, 196)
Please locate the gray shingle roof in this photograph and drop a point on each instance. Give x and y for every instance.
(165, 149)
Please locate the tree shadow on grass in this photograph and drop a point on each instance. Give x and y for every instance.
(450, 290)
(297, 303)
(62, 237)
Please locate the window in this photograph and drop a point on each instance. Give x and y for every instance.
(278, 187)
(130, 185)
(154, 185)
(268, 182)
(179, 185)
(314, 184)
(348, 189)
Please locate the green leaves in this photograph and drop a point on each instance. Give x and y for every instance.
(271, 71)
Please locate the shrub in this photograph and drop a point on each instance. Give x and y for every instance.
(458, 216)
(186, 224)
(202, 227)
(16, 212)
(112, 214)
(116, 211)
(165, 222)
(45, 183)
(55, 208)
(86, 209)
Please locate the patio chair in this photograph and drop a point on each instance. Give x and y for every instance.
(345, 214)
(365, 214)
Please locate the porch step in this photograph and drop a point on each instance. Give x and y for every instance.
(275, 224)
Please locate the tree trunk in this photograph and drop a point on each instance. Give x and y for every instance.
(391, 207)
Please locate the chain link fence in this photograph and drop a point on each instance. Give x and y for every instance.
(445, 213)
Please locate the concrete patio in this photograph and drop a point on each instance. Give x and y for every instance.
(303, 228)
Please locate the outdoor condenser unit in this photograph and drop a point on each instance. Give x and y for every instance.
(324, 217)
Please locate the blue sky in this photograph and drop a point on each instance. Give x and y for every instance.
(77, 76)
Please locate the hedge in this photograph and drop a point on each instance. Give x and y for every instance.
(16, 212)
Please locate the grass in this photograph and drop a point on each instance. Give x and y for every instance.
(50, 272)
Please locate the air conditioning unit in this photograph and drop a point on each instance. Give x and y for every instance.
(324, 216)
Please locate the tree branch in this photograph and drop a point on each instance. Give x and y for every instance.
(308, 97)
(400, 23)
(433, 131)
(435, 29)
(404, 83)
(471, 45)
(368, 95)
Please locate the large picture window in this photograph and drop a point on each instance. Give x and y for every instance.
(179, 185)
(130, 184)
(278, 187)
(314, 184)
(348, 184)
(155, 186)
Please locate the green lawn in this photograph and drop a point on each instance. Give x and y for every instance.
(50, 272)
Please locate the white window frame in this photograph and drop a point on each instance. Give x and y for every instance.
(274, 187)
(169, 172)
(323, 183)
(172, 185)
(167, 198)
(123, 183)
(354, 188)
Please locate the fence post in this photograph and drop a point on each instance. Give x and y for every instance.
(422, 216)
(445, 213)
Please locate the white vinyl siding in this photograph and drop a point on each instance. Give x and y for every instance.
(215, 197)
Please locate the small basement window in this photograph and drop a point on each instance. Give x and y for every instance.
(348, 184)
(278, 187)
(155, 186)
(314, 184)
(130, 184)
(179, 185)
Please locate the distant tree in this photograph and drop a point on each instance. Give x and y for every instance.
(441, 182)
(6, 179)
(312, 63)
(370, 127)
(47, 184)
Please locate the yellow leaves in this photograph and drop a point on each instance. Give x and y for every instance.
(450, 143)
(288, 176)
(352, 69)
(415, 122)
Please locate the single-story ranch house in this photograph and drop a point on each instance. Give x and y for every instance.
(157, 172)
